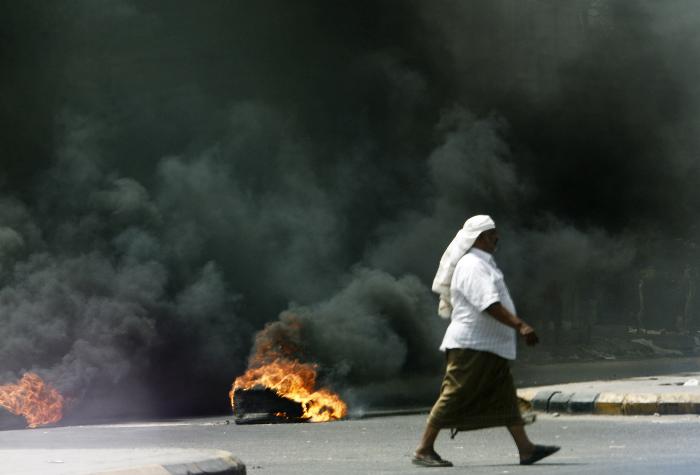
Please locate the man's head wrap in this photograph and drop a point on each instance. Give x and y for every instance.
(459, 246)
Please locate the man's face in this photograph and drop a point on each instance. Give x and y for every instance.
(490, 240)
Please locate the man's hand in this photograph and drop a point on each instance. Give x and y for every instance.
(500, 313)
(528, 333)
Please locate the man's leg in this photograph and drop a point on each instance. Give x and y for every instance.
(525, 446)
(425, 454)
(427, 442)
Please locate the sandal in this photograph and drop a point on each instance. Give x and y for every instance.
(540, 452)
(430, 460)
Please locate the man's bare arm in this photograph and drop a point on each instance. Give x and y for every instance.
(500, 313)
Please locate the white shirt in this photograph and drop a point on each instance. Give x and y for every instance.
(476, 284)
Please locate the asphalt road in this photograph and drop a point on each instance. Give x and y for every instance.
(591, 445)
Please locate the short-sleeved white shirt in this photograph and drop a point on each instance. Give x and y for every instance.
(478, 283)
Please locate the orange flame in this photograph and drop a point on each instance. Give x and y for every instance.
(273, 366)
(39, 402)
(295, 381)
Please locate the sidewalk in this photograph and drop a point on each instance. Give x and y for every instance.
(146, 461)
(664, 394)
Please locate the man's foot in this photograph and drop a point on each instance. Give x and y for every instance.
(431, 459)
(538, 453)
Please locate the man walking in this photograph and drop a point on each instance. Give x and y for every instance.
(477, 390)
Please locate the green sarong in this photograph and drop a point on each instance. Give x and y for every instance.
(477, 392)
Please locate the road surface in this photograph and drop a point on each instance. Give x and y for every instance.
(591, 445)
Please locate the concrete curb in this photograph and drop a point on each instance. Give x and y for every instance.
(631, 404)
(223, 464)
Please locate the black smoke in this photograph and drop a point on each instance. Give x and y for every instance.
(176, 174)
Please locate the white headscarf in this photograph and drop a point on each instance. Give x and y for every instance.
(459, 246)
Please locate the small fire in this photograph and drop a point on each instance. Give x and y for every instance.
(39, 402)
(272, 366)
(295, 381)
